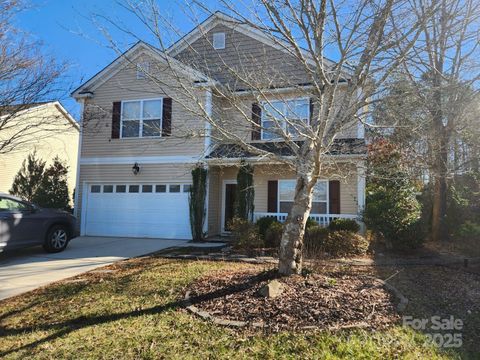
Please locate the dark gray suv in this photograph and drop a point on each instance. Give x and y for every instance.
(23, 224)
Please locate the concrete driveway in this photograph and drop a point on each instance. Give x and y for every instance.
(29, 269)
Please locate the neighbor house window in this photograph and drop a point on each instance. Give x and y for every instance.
(142, 70)
(284, 116)
(286, 193)
(141, 118)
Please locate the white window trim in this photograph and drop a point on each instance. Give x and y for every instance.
(141, 119)
(284, 102)
(327, 207)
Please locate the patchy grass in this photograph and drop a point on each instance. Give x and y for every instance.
(133, 312)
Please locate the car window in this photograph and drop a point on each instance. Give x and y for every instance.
(11, 205)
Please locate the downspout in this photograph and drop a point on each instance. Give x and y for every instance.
(208, 144)
(79, 155)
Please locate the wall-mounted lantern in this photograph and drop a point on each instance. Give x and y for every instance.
(135, 169)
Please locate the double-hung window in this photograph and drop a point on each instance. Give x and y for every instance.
(141, 118)
(286, 193)
(284, 116)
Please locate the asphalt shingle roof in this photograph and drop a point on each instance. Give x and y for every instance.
(340, 147)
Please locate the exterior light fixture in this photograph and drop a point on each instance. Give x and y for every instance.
(135, 169)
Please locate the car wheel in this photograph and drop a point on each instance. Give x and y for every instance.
(56, 239)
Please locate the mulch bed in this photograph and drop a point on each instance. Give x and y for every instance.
(313, 301)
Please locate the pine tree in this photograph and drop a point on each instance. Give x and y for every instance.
(29, 177)
(53, 189)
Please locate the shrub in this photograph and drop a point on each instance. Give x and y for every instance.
(310, 223)
(264, 224)
(196, 202)
(408, 238)
(344, 224)
(245, 195)
(468, 229)
(314, 241)
(345, 243)
(315, 235)
(273, 235)
(245, 235)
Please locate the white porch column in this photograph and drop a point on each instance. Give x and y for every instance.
(361, 184)
(208, 126)
(208, 145)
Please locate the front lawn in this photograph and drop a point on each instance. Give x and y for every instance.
(131, 310)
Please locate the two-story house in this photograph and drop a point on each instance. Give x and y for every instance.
(142, 135)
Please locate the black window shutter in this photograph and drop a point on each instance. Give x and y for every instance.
(272, 196)
(116, 110)
(334, 196)
(167, 117)
(256, 119)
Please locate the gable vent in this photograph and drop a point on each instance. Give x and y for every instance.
(219, 40)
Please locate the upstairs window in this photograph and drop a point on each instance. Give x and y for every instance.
(141, 118)
(142, 70)
(284, 116)
(219, 41)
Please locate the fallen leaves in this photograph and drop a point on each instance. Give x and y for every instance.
(320, 301)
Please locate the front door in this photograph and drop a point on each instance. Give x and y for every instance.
(230, 192)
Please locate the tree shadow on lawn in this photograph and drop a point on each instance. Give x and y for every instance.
(66, 327)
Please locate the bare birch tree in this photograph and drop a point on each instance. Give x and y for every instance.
(368, 41)
(27, 77)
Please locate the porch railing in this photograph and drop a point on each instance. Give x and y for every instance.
(321, 219)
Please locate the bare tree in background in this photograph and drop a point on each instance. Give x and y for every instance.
(27, 77)
(444, 72)
(368, 40)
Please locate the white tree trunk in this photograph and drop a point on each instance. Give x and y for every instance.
(291, 245)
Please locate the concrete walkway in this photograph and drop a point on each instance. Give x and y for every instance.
(32, 268)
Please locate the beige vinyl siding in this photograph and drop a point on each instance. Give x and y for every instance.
(122, 174)
(256, 61)
(187, 125)
(61, 141)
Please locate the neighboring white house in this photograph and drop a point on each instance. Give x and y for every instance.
(53, 132)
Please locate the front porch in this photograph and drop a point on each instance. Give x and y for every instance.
(340, 194)
(321, 219)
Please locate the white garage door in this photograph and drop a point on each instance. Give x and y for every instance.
(138, 210)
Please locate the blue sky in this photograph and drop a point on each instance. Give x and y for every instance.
(66, 31)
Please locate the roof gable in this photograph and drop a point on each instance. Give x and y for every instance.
(223, 19)
(116, 65)
(22, 109)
